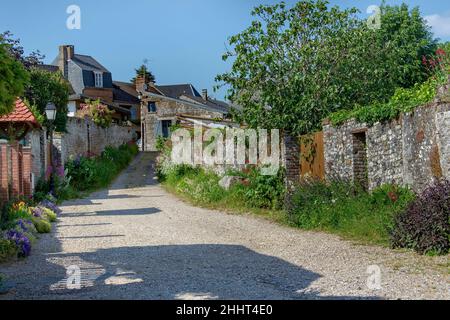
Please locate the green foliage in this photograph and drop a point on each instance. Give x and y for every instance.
(143, 71)
(294, 66)
(42, 225)
(98, 112)
(49, 215)
(343, 208)
(47, 87)
(202, 187)
(404, 100)
(8, 250)
(13, 80)
(263, 191)
(88, 174)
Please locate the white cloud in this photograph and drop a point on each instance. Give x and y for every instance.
(440, 24)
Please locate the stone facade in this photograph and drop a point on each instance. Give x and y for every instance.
(411, 150)
(167, 110)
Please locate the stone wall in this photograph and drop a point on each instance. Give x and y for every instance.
(84, 137)
(167, 110)
(411, 150)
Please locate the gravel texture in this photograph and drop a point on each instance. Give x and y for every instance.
(136, 241)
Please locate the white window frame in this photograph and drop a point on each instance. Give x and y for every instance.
(98, 79)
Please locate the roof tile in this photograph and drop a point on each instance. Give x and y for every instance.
(21, 113)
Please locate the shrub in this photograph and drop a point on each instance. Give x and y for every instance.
(22, 243)
(341, 207)
(263, 191)
(42, 226)
(92, 173)
(8, 250)
(424, 226)
(50, 205)
(50, 215)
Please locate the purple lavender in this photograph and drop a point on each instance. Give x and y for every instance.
(37, 212)
(50, 205)
(21, 241)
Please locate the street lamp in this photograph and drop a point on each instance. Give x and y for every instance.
(50, 112)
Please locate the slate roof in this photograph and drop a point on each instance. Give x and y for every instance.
(88, 63)
(21, 113)
(212, 103)
(124, 96)
(177, 90)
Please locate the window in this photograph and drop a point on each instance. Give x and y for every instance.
(166, 124)
(151, 106)
(98, 79)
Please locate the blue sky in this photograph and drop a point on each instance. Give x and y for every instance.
(182, 39)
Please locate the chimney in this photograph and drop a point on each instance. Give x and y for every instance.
(205, 94)
(65, 53)
(140, 84)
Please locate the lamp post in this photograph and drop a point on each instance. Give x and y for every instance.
(50, 112)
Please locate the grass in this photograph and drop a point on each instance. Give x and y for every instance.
(344, 209)
(201, 188)
(338, 208)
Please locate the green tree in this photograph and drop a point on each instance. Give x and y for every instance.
(13, 79)
(47, 87)
(294, 66)
(17, 51)
(143, 71)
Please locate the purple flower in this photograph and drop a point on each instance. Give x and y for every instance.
(21, 241)
(50, 205)
(37, 212)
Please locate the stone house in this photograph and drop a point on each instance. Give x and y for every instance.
(91, 80)
(162, 107)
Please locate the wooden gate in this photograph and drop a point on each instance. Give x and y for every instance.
(312, 159)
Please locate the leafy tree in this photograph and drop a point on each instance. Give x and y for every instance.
(13, 79)
(143, 71)
(294, 66)
(17, 51)
(47, 87)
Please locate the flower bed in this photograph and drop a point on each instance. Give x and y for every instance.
(22, 222)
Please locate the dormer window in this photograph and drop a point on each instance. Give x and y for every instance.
(98, 79)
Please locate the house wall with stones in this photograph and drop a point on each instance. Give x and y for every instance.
(167, 110)
(411, 150)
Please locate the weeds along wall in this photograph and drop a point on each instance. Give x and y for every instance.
(411, 150)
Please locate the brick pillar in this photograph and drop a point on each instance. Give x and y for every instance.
(26, 160)
(291, 163)
(16, 170)
(4, 173)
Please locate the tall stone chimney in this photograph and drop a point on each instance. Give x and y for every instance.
(66, 53)
(205, 94)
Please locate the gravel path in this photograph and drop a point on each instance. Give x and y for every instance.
(136, 241)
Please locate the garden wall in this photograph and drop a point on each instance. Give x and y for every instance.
(84, 137)
(411, 150)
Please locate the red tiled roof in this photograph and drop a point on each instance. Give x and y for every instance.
(21, 113)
